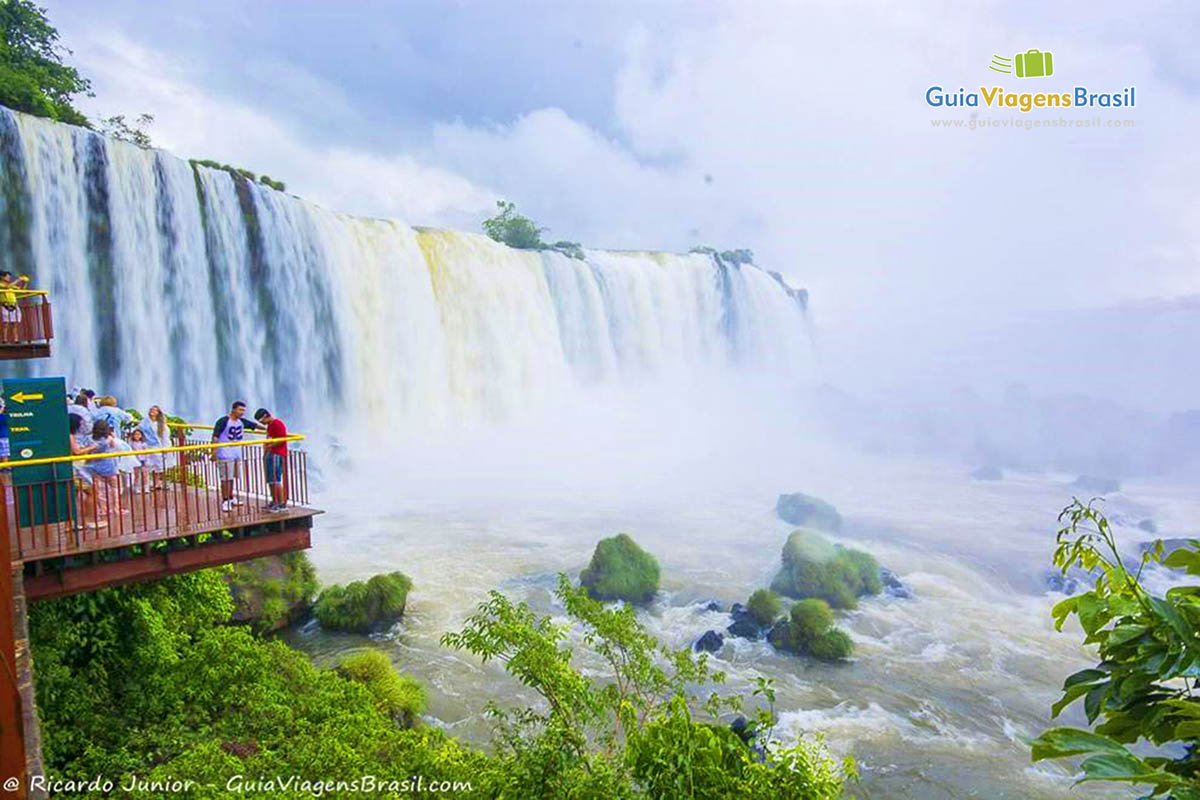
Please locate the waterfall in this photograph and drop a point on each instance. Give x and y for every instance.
(187, 286)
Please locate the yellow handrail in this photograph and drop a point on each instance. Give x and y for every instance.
(294, 437)
(190, 425)
(25, 292)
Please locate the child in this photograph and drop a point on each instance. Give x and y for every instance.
(10, 314)
(137, 441)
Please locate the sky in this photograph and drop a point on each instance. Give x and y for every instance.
(798, 130)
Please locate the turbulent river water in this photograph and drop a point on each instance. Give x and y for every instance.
(480, 416)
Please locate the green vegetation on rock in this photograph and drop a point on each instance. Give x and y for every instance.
(809, 630)
(620, 570)
(364, 606)
(810, 618)
(812, 567)
(802, 509)
(33, 77)
(238, 172)
(764, 606)
(399, 696)
(272, 592)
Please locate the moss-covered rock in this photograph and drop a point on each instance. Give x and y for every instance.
(399, 696)
(813, 567)
(832, 645)
(620, 570)
(764, 606)
(804, 509)
(272, 592)
(364, 607)
(809, 630)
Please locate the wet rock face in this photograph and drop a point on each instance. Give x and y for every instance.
(892, 584)
(710, 642)
(803, 509)
(744, 625)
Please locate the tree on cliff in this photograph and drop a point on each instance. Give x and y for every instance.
(33, 77)
(513, 229)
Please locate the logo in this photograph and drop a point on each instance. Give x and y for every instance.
(1030, 64)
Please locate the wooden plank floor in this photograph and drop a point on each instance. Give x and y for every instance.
(169, 513)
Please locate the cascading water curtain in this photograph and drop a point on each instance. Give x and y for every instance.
(186, 286)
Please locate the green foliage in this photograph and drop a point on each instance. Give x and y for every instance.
(238, 172)
(812, 567)
(143, 680)
(269, 593)
(620, 570)
(513, 229)
(33, 77)
(398, 696)
(764, 606)
(810, 618)
(569, 249)
(802, 509)
(1144, 686)
(361, 607)
(636, 734)
(809, 630)
(132, 132)
(832, 645)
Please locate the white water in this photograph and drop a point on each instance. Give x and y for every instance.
(182, 286)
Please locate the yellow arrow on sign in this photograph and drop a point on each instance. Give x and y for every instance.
(21, 397)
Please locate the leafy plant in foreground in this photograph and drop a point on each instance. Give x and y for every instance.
(635, 734)
(1145, 686)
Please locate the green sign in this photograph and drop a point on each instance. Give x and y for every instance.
(37, 428)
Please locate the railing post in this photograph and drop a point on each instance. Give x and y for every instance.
(12, 723)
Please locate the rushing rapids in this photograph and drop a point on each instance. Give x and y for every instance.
(187, 286)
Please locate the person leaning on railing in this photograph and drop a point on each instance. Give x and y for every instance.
(275, 459)
(10, 313)
(228, 429)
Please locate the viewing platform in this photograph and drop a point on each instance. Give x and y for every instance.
(67, 535)
(30, 335)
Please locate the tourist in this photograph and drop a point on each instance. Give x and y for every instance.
(228, 430)
(153, 428)
(105, 485)
(81, 445)
(10, 312)
(81, 408)
(137, 443)
(275, 459)
(118, 419)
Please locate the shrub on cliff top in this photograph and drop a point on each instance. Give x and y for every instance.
(513, 229)
(361, 607)
(620, 570)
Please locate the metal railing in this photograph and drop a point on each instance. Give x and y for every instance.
(31, 322)
(173, 491)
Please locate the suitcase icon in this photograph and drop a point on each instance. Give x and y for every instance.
(1035, 64)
